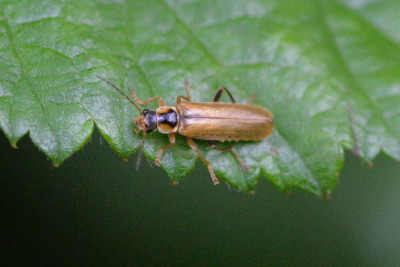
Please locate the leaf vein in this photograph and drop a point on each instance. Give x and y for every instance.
(19, 57)
(353, 78)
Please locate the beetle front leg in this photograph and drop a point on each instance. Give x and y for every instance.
(161, 102)
(210, 169)
(163, 148)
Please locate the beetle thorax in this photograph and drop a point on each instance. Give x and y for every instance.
(167, 120)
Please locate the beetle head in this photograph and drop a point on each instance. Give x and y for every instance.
(147, 121)
(141, 123)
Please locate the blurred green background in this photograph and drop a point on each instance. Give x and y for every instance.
(96, 209)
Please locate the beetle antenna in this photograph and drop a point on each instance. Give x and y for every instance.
(140, 154)
(120, 91)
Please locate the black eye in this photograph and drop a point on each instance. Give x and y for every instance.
(145, 111)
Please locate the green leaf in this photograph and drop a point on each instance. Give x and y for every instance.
(328, 70)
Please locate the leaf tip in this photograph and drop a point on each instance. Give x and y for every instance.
(56, 165)
(14, 145)
(125, 159)
(174, 182)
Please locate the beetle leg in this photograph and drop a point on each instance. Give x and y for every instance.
(219, 93)
(210, 169)
(234, 152)
(188, 90)
(179, 99)
(163, 148)
(251, 100)
(145, 102)
(189, 93)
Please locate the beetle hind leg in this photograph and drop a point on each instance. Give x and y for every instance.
(219, 93)
(210, 169)
(234, 152)
(251, 100)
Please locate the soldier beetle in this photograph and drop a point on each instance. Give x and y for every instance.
(211, 121)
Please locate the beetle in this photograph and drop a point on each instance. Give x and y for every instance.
(211, 121)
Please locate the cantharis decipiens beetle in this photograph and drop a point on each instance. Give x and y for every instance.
(211, 121)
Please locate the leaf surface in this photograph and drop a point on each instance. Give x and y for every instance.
(328, 70)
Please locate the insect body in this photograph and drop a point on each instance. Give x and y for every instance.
(212, 121)
(223, 121)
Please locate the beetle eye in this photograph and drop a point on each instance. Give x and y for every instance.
(145, 111)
